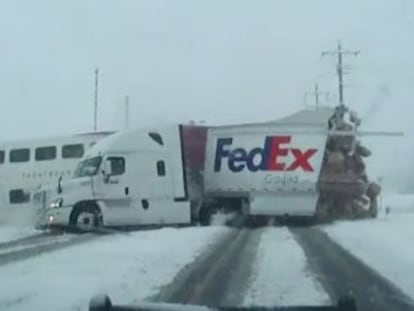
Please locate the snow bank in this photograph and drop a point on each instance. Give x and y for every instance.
(385, 244)
(10, 233)
(128, 267)
(280, 275)
(397, 203)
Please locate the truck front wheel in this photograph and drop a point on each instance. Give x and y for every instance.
(85, 218)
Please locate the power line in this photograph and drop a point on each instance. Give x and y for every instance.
(339, 52)
(317, 93)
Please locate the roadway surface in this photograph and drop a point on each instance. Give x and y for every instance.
(21, 249)
(220, 277)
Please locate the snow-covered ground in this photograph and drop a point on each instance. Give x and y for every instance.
(280, 275)
(385, 243)
(128, 267)
(10, 233)
(49, 240)
(397, 203)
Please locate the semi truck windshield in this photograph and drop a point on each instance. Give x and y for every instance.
(88, 167)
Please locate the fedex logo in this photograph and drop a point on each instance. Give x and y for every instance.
(271, 157)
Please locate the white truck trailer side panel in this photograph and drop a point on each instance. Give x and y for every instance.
(270, 163)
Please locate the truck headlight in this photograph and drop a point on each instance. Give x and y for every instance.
(56, 203)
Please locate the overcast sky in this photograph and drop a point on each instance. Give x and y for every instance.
(216, 60)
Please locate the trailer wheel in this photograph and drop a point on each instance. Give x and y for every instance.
(85, 218)
(205, 217)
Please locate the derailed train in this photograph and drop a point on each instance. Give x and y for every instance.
(345, 191)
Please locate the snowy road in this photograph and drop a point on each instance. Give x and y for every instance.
(263, 266)
(384, 244)
(341, 273)
(218, 277)
(280, 266)
(11, 233)
(23, 249)
(128, 266)
(281, 275)
(214, 265)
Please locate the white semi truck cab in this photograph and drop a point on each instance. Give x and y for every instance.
(129, 178)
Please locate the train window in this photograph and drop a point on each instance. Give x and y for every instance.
(156, 137)
(72, 151)
(18, 196)
(161, 168)
(19, 155)
(45, 153)
(117, 165)
(1, 156)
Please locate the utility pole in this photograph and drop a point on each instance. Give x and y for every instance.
(340, 68)
(126, 112)
(95, 114)
(317, 93)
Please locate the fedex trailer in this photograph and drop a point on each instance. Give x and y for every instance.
(180, 174)
(266, 169)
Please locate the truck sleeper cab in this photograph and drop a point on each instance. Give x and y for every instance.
(131, 178)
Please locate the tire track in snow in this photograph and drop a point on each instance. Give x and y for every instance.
(280, 275)
(219, 276)
(26, 240)
(27, 250)
(343, 274)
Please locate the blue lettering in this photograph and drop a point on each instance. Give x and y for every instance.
(221, 152)
(237, 155)
(254, 167)
(269, 157)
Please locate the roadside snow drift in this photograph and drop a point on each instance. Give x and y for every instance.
(128, 267)
(398, 203)
(385, 244)
(280, 276)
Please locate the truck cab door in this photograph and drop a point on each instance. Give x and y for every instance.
(113, 190)
(154, 201)
(142, 189)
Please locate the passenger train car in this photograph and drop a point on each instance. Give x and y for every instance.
(30, 164)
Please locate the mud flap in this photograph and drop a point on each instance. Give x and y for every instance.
(205, 216)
